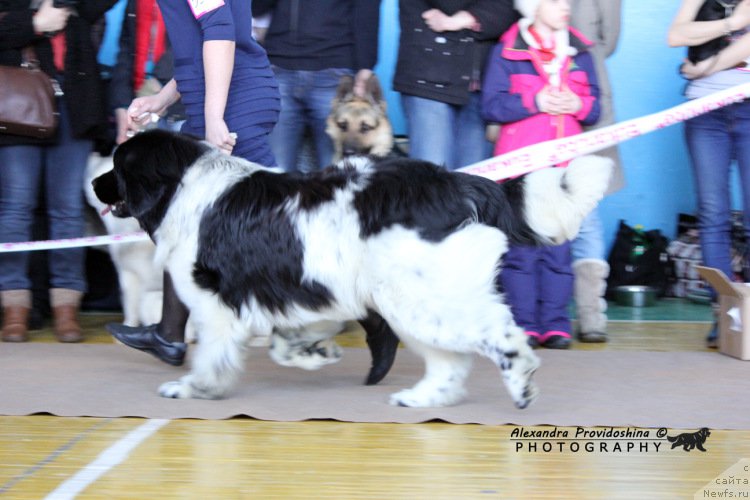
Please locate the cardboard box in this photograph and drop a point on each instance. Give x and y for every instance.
(734, 313)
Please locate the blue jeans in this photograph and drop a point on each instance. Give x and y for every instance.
(60, 168)
(446, 134)
(305, 103)
(715, 139)
(589, 244)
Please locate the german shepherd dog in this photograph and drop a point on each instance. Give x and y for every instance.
(359, 125)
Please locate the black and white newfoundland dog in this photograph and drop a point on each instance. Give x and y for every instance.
(254, 252)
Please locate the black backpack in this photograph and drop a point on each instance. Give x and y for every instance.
(653, 267)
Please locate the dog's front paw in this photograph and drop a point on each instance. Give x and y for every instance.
(176, 389)
(419, 398)
(528, 396)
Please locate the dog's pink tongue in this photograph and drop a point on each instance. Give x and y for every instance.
(106, 210)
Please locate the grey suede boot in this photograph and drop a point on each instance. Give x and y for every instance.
(589, 287)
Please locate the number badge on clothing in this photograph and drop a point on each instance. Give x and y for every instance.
(200, 7)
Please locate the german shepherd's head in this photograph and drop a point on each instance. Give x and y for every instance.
(358, 125)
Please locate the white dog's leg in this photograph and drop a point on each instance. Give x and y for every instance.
(443, 383)
(150, 307)
(310, 347)
(219, 356)
(130, 295)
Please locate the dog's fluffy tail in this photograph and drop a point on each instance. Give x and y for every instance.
(556, 200)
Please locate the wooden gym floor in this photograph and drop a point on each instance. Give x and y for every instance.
(44, 456)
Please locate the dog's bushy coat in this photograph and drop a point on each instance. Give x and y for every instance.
(252, 251)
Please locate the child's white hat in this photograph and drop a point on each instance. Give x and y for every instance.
(527, 8)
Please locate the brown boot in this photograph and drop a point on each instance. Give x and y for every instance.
(16, 307)
(65, 305)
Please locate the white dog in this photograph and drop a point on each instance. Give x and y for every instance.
(253, 252)
(140, 277)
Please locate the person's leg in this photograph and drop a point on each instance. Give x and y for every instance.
(471, 144)
(165, 340)
(555, 292)
(741, 136)
(590, 271)
(710, 148)
(64, 171)
(519, 282)
(430, 129)
(286, 136)
(20, 175)
(321, 92)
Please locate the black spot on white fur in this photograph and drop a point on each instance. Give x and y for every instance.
(437, 202)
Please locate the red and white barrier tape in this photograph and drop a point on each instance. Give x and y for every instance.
(87, 241)
(513, 164)
(544, 154)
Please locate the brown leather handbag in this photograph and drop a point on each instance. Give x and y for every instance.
(27, 100)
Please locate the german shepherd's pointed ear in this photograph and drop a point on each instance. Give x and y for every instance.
(374, 92)
(345, 90)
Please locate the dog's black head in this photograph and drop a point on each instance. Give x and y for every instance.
(712, 10)
(148, 169)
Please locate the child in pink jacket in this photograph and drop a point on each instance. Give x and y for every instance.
(540, 84)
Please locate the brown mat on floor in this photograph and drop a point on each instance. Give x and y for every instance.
(682, 390)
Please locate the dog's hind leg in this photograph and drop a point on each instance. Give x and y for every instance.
(310, 347)
(516, 361)
(219, 357)
(383, 344)
(443, 382)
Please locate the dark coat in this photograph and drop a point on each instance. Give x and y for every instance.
(82, 85)
(447, 66)
(312, 36)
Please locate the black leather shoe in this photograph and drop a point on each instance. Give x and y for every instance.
(147, 339)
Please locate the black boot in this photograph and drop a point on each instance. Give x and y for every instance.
(165, 340)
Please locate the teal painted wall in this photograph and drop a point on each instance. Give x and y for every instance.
(645, 80)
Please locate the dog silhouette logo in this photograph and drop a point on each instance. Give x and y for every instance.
(690, 440)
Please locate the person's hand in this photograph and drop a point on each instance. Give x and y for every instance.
(568, 101)
(438, 21)
(141, 109)
(691, 71)
(548, 101)
(360, 82)
(49, 19)
(218, 134)
(558, 102)
(740, 17)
